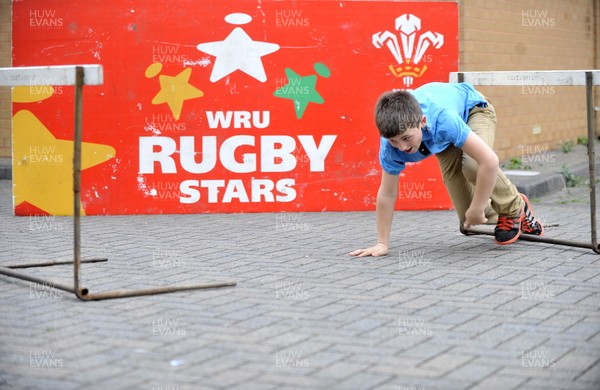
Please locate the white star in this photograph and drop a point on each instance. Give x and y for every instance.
(238, 52)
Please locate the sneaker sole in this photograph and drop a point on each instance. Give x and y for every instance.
(515, 238)
(533, 215)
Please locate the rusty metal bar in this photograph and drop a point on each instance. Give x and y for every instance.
(589, 82)
(84, 294)
(77, 179)
(55, 262)
(532, 238)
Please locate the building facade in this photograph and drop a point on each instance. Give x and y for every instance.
(496, 35)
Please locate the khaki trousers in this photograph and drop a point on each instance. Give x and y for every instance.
(459, 172)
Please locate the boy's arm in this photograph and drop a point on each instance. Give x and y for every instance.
(386, 199)
(487, 172)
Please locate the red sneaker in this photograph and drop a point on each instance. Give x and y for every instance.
(529, 223)
(508, 229)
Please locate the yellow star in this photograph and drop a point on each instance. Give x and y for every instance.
(174, 90)
(43, 165)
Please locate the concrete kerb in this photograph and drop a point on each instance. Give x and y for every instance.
(547, 183)
(551, 177)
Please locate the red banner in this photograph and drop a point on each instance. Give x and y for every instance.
(222, 106)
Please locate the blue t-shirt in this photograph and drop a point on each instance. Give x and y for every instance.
(446, 107)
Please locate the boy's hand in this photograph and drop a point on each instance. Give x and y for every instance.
(377, 250)
(474, 217)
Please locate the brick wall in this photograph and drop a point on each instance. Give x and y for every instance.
(5, 61)
(531, 35)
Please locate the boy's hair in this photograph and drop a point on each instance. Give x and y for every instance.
(396, 112)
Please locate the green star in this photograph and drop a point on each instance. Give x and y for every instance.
(300, 89)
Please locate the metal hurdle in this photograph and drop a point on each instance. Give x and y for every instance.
(78, 76)
(587, 78)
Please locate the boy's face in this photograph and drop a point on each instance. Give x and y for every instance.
(410, 140)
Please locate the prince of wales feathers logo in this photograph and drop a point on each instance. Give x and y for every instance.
(408, 57)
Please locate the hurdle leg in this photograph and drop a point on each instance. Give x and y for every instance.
(591, 157)
(77, 180)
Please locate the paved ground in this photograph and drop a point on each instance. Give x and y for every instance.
(442, 311)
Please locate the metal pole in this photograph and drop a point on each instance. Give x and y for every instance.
(589, 81)
(77, 180)
(86, 296)
(54, 262)
(527, 237)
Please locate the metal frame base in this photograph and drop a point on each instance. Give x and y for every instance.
(75, 75)
(84, 293)
(528, 237)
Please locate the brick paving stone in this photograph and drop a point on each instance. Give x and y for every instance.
(543, 384)
(426, 351)
(284, 378)
(445, 362)
(420, 303)
(590, 376)
(432, 384)
(98, 373)
(523, 341)
(577, 362)
(436, 311)
(472, 371)
(364, 380)
(256, 385)
(478, 325)
(226, 380)
(42, 383)
(324, 358)
(336, 319)
(368, 349)
(497, 335)
(500, 382)
(585, 330)
(341, 370)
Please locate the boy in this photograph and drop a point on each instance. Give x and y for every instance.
(457, 124)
